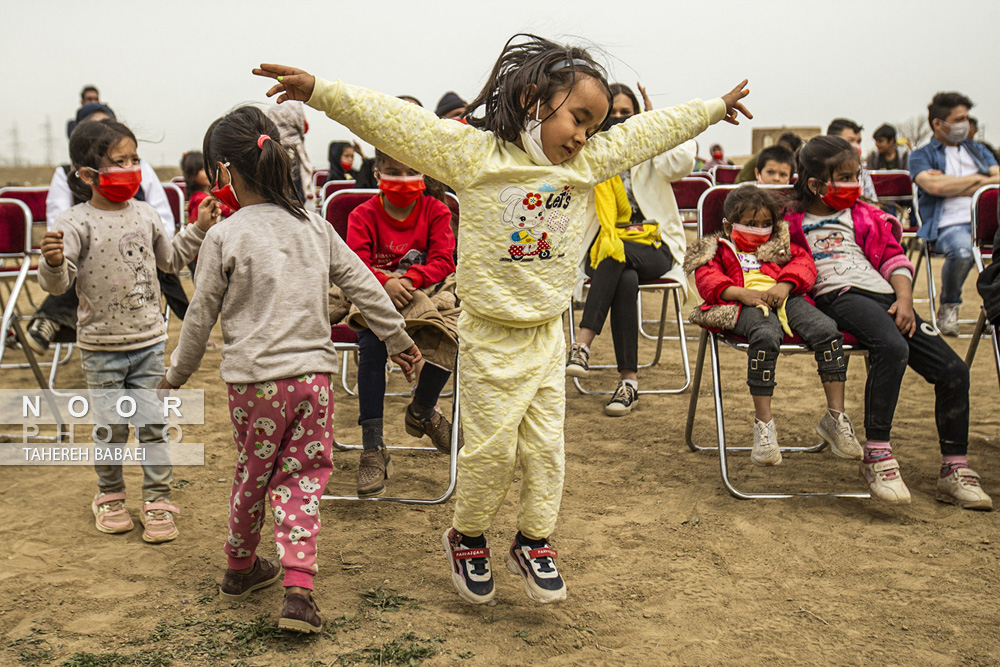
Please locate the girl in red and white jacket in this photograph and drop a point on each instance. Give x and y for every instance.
(754, 284)
(406, 240)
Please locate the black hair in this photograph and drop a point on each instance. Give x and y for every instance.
(838, 125)
(432, 187)
(818, 159)
(90, 146)
(943, 103)
(527, 73)
(776, 153)
(885, 131)
(621, 89)
(749, 199)
(266, 170)
(973, 121)
(88, 88)
(791, 140)
(191, 163)
(411, 98)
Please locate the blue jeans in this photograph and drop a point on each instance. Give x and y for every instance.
(955, 243)
(128, 369)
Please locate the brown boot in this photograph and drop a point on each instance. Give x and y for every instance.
(300, 614)
(375, 467)
(436, 427)
(237, 586)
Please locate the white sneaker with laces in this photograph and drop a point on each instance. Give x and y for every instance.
(947, 319)
(766, 451)
(885, 483)
(962, 488)
(838, 432)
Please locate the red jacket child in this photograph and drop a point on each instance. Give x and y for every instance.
(422, 244)
(715, 266)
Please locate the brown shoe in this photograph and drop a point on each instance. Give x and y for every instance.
(436, 427)
(375, 467)
(237, 586)
(300, 614)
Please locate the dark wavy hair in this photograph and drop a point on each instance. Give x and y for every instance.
(819, 158)
(749, 199)
(266, 170)
(942, 104)
(551, 68)
(90, 146)
(191, 163)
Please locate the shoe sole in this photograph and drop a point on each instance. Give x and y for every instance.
(539, 595)
(620, 412)
(821, 432)
(229, 597)
(766, 464)
(295, 625)
(965, 504)
(886, 501)
(380, 492)
(35, 345)
(577, 371)
(157, 539)
(459, 583)
(105, 529)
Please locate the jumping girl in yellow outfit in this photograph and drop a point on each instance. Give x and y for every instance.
(524, 172)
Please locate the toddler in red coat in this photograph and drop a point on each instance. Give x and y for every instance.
(754, 284)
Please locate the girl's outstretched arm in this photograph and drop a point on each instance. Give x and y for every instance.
(646, 135)
(444, 149)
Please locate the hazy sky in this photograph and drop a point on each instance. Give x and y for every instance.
(170, 68)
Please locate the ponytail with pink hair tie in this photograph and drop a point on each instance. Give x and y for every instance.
(260, 141)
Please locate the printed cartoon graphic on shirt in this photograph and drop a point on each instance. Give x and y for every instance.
(748, 261)
(135, 251)
(833, 247)
(538, 218)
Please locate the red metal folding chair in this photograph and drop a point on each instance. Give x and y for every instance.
(175, 197)
(710, 222)
(336, 209)
(984, 228)
(319, 177)
(687, 192)
(178, 181)
(334, 186)
(725, 174)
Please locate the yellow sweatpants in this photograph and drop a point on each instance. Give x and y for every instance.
(513, 395)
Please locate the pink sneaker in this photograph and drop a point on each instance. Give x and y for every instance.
(158, 521)
(110, 513)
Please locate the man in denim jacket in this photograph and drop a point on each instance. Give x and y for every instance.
(948, 171)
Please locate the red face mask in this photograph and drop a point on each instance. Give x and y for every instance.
(717, 155)
(748, 239)
(841, 195)
(119, 184)
(347, 165)
(401, 191)
(225, 194)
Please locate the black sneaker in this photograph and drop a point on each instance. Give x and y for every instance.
(623, 400)
(534, 561)
(40, 333)
(578, 365)
(470, 566)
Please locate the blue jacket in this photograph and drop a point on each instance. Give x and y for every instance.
(931, 156)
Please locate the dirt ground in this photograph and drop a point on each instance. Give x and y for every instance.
(663, 566)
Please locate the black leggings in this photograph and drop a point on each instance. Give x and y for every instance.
(614, 286)
(372, 356)
(864, 315)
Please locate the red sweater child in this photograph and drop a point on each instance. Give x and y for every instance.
(195, 201)
(422, 244)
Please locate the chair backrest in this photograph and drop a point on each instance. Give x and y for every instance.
(33, 197)
(175, 197)
(334, 186)
(724, 174)
(319, 176)
(984, 217)
(15, 228)
(707, 175)
(916, 221)
(688, 191)
(338, 206)
(710, 206)
(892, 184)
(179, 180)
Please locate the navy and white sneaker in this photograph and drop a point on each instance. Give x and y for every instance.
(470, 566)
(534, 561)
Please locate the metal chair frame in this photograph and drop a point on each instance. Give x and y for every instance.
(725, 168)
(982, 241)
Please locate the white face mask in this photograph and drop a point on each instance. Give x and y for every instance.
(957, 131)
(531, 139)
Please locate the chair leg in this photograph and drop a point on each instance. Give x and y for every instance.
(931, 290)
(699, 366)
(970, 355)
(996, 352)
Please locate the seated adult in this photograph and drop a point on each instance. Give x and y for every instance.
(949, 170)
(636, 236)
(776, 166)
(789, 140)
(847, 129)
(887, 154)
(57, 314)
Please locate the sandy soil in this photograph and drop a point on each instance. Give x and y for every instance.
(663, 566)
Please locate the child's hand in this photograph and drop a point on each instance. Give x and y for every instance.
(294, 83)
(408, 361)
(647, 104)
(902, 311)
(208, 213)
(752, 298)
(52, 248)
(408, 284)
(164, 388)
(733, 104)
(777, 295)
(397, 291)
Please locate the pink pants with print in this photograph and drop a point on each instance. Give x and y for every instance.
(284, 435)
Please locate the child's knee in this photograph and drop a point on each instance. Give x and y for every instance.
(955, 376)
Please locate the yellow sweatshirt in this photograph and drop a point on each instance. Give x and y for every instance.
(521, 223)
